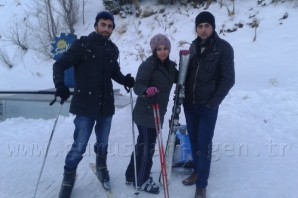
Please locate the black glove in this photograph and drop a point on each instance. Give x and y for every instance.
(128, 82)
(63, 92)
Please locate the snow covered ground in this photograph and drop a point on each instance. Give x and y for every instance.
(256, 137)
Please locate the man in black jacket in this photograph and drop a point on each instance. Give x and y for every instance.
(210, 77)
(94, 58)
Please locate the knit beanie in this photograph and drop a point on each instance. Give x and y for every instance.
(205, 17)
(104, 15)
(159, 39)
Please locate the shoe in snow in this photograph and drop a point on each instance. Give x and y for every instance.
(191, 180)
(149, 186)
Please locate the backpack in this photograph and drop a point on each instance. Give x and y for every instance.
(69, 80)
(182, 154)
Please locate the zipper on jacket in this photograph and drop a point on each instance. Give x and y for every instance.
(195, 84)
(196, 75)
(103, 88)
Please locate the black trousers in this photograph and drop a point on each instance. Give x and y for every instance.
(144, 148)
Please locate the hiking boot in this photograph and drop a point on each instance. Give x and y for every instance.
(200, 193)
(191, 180)
(103, 174)
(67, 184)
(101, 169)
(149, 186)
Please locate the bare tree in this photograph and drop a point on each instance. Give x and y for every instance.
(49, 14)
(255, 24)
(17, 35)
(83, 10)
(4, 58)
(140, 53)
(208, 3)
(137, 4)
(230, 12)
(221, 3)
(70, 13)
(44, 17)
(43, 26)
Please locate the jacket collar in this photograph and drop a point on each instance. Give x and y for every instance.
(195, 47)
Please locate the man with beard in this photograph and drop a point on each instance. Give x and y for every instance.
(94, 58)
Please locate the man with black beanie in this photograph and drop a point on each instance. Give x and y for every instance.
(94, 58)
(210, 77)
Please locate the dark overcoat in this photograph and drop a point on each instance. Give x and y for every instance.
(153, 73)
(211, 74)
(94, 59)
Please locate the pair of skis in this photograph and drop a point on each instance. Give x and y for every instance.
(178, 100)
(166, 156)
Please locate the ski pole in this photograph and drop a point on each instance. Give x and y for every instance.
(161, 149)
(49, 143)
(133, 142)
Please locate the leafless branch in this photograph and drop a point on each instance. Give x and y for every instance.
(140, 53)
(70, 10)
(83, 10)
(5, 59)
(17, 35)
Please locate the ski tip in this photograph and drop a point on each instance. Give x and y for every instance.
(184, 52)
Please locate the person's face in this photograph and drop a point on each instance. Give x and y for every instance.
(162, 52)
(204, 31)
(104, 27)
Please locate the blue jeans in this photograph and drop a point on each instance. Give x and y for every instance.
(82, 133)
(201, 122)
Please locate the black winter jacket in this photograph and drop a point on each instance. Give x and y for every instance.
(211, 74)
(153, 73)
(94, 59)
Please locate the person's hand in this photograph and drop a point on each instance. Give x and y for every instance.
(151, 91)
(63, 92)
(128, 82)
